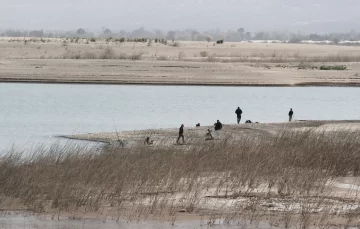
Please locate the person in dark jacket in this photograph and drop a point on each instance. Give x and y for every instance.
(291, 113)
(181, 134)
(218, 125)
(238, 113)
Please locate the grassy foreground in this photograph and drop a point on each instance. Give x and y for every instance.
(287, 180)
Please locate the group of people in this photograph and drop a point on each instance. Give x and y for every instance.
(218, 125)
(239, 112)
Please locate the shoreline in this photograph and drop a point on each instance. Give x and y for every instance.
(194, 84)
(167, 136)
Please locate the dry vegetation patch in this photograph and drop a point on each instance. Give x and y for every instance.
(289, 176)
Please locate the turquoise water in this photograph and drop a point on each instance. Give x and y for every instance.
(35, 113)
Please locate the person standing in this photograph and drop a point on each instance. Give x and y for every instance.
(238, 113)
(291, 113)
(181, 134)
(217, 127)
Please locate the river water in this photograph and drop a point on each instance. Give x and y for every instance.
(36, 113)
(18, 220)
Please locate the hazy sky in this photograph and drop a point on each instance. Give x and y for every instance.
(253, 15)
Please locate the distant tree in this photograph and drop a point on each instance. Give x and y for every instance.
(208, 38)
(171, 35)
(194, 35)
(316, 37)
(80, 31)
(36, 33)
(336, 40)
(295, 40)
(352, 35)
(122, 33)
(159, 34)
(13, 33)
(106, 30)
(241, 30)
(261, 36)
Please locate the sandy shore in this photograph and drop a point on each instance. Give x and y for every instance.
(192, 63)
(339, 196)
(337, 199)
(167, 137)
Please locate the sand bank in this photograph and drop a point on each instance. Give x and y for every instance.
(191, 63)
(194, 134)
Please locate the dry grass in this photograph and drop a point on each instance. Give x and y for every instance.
(243, 53)
(162, 57)
(281, 58)
(237, 177)
(181, 55)
(107, 53)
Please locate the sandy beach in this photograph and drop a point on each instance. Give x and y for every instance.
(187, 63)
(167, 137)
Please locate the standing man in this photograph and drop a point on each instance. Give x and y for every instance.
(291, 113)
(217, 127)
(181, 134)
(238, 113)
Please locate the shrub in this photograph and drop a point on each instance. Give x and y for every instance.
(89, 55)
(72, 55)
(336, 67)
(123, 56)
(306, 65)
(108, 53)
(175, 44)
(163, 57)
(136, 56)
(212, 58)
(204, 53)
(181, 55)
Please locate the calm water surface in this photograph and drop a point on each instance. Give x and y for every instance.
(13, 220)
(35, 113)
